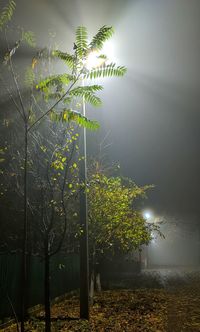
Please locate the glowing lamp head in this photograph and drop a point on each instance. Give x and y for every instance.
(93, 60)
(147, 215)
(97, 57)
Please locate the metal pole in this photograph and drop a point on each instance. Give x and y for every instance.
(84, 257)
(147, 258)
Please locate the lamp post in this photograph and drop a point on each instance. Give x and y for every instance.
(147, 216)
(84, 254)
(92, 62)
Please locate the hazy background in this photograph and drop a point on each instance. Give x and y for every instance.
(152, 115)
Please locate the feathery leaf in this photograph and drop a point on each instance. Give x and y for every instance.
(81, 42)
(29, 77)
(106, 71)
(7, 13)
(66, 57)
(68, 115)
(88, 93)
(99, 39)
(29, 38)
(55, 80)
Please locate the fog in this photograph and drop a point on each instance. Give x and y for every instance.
(180, 248)
(152, 115)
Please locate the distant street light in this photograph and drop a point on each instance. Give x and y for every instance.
(147, 215)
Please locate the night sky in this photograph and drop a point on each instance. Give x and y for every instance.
(152, 115)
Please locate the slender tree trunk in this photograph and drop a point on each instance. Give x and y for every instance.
(92, 277)
(92, 280)
(98, 282)
(95, 283)
(47, 289)
(25, 235)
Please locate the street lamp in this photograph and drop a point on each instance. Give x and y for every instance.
(93, 60)
(147, 215)
(84, 256)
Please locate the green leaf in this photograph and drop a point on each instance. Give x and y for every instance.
(7, 13)
(68, 100)
(55, 80)
(106, 71)
(29, 77)
(66, 57)
(88, 93)
(29, 38)
(81, 41)
(99, 39)
(74, 116)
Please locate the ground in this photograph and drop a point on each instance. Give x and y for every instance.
(165, 300)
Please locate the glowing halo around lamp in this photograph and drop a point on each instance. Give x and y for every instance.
(108, 50)
(94, 59)
(147, 215)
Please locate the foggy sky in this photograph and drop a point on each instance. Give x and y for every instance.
(153, 113)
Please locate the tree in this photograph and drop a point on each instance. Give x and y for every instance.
(61, 94)
(55, 189)
(54, 87)
(67, 88)
(115, 226)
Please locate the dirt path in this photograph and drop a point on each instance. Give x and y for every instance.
(177, 316)
(183, 312)
(183, 303)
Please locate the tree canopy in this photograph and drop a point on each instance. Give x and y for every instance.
(114, 224)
